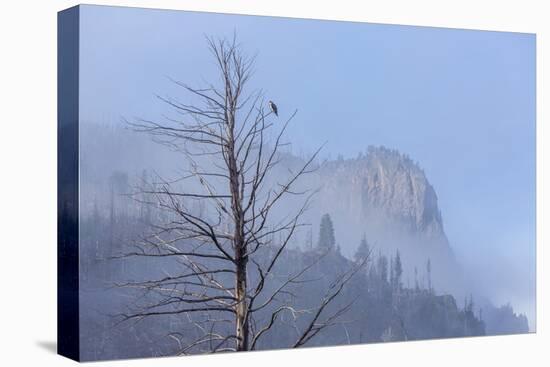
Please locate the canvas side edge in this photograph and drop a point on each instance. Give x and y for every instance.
(68, 331)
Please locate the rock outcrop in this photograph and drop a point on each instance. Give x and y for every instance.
(385, 196)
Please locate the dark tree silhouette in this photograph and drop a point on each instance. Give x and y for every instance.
(383, 268)
(429, 274)
(363, 251)
(397, 270)
(327, 240)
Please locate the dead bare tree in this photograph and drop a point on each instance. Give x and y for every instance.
(221, 231)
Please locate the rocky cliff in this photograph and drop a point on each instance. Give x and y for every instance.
(385, 196)
(385, 184)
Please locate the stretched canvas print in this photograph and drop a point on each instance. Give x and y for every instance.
(235, 183)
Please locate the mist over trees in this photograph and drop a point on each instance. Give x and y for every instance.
(373, 306)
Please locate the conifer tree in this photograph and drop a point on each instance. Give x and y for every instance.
(429, 272)
(363, 251)
(398, 271)
(327, 240)
(383, 268)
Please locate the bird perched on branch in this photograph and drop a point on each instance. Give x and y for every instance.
(273, 108)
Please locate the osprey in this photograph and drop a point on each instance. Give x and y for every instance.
(273, 108)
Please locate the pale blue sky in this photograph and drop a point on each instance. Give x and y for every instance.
(461, 103)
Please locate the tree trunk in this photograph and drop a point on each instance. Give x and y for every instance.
(242, 308)
(241, 261)
(239, 244)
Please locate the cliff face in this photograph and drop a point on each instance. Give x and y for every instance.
(386, 197)
(385, 186)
